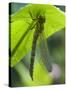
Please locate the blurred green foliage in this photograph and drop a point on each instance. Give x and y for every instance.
(15, 7)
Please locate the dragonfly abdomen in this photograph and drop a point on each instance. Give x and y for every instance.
(35, 37)
(38, 30)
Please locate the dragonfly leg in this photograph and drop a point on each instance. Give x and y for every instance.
(28, 22)
(31, 15)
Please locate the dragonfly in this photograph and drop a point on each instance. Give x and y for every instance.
(38, 24)
(39, 28)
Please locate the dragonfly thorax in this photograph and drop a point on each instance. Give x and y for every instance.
(41, 19)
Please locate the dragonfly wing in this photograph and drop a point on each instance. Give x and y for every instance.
(31, 26)
(45, 55)
(20, 40)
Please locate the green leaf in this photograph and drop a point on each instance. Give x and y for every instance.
(55, 21)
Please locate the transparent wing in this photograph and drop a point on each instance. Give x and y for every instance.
(31, 26)
(44, 52)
